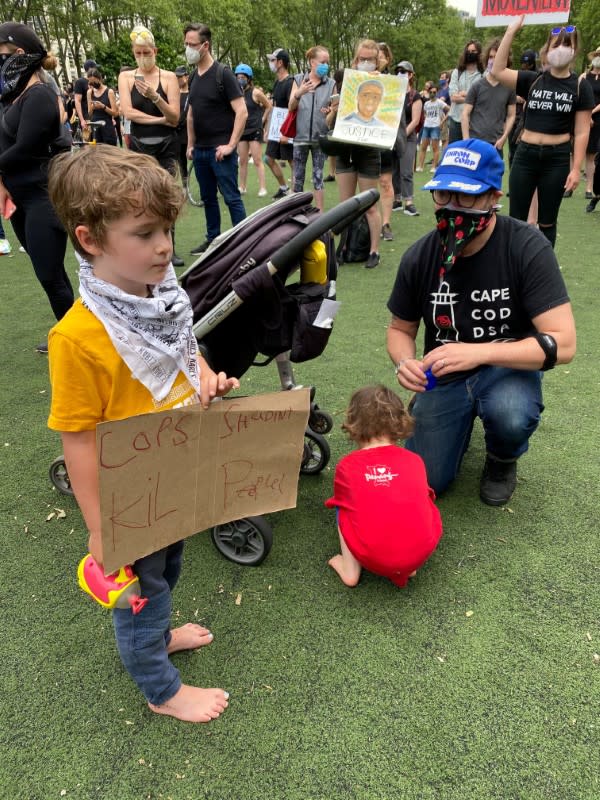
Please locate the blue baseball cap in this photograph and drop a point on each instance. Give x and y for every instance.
(470, 166)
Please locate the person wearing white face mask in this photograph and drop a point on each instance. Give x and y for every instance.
(216, 119)
(149, 99)
(559, 106)
(593, 78)
(280, 149)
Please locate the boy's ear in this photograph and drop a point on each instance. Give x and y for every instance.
(87, 241)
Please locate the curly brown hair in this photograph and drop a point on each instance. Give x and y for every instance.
(99, 185)
(377, 412)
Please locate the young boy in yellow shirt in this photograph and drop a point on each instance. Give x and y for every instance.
(126, 348)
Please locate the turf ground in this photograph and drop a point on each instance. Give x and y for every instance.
(480, 680)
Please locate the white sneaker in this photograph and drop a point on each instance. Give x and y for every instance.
(22, 249)
(5, 247)
(432, 169)
(419, 169)
(241, 191)
(262, 193)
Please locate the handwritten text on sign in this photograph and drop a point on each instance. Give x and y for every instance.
(502, 12)
(168, 475)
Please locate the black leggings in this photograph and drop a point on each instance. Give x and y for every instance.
(38, 229)
(596, 184)
(545, 168)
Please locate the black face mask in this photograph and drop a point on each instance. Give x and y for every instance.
(471, 58)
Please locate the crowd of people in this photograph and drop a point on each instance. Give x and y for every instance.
(488, 288)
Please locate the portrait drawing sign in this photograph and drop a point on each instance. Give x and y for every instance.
(370, 109)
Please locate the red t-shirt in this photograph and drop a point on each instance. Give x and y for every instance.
(386, 511)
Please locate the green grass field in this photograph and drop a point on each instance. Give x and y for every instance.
(480, 680)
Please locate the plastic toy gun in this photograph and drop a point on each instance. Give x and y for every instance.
(120, 589)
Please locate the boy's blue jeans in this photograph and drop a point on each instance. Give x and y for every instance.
(213, 174)
(142, 638)
(508, 402)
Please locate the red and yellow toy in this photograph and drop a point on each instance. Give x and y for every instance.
(120, 589)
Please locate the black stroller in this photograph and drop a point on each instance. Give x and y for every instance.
(239, 285)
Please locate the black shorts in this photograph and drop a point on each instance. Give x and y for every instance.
(280, 152)
(387, 163)
(253, 136)
(366, 161)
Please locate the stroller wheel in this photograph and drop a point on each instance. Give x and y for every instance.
(244, 541)
(192, 189)
(60, 477)
(316, 453)
(320, 421)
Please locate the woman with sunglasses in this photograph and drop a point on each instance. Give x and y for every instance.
(559, 106)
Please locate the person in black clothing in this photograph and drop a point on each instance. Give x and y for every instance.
(559, 106)
(593, 78)
(30, 130)
(150, 99)
(80, 90)
(259, 108)
(496, 313)
(279, 149)
(181, 73)
(102, 105)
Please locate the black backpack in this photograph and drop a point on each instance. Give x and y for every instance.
(355, 244)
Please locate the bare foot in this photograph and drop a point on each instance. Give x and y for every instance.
(193, 704)
(349, 578)
(188, 637)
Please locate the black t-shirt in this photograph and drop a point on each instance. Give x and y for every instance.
(81, 87)
(491, 296)
(281, 92)
(212, 113)
(553, 102)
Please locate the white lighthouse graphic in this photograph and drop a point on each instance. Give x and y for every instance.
(443, 313)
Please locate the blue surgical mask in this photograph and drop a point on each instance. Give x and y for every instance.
(322, 70)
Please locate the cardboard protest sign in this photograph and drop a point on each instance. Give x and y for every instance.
(370, 109)
(168, 475)
(538, 12)
(278, 115)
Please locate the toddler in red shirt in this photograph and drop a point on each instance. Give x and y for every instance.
(387, 520)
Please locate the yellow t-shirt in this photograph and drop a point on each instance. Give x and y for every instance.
(90, 381)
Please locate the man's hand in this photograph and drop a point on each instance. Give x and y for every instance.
(411, 375)
(455, 357)
(223, 150)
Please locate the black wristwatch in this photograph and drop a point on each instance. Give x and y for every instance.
(548, 345)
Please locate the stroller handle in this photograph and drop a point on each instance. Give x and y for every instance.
(335, 219)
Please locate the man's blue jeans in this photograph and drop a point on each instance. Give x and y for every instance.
(142, 639)
(213, 174)
(508, 402)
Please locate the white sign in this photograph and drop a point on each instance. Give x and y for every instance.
(277, 117)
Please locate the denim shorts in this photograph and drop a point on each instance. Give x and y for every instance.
(430, 133)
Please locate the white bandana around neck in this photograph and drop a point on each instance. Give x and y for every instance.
(153, 335)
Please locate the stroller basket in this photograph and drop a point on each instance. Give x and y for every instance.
(245, 270)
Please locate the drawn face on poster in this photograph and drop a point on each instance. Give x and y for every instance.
(370, 109)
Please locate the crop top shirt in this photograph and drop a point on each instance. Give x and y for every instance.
(553, 102)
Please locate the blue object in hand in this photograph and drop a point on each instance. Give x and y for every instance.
(431, 381)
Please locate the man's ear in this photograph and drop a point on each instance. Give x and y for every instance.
(87, 241)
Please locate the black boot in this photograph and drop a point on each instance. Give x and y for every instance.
(498, 481)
